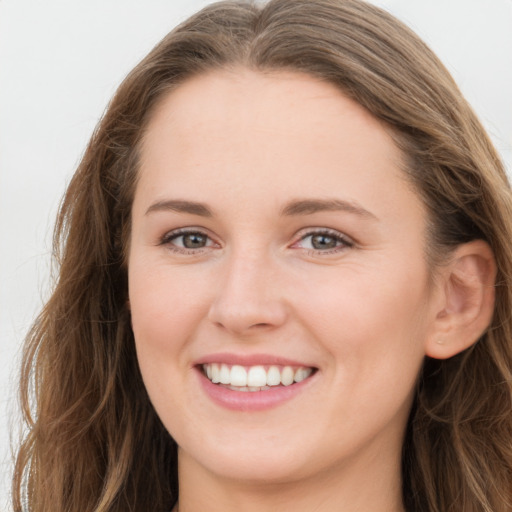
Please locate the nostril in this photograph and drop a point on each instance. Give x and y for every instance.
(244, 314)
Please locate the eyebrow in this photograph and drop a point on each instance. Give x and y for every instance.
(293, 208)
(180, 206)
(310, 206)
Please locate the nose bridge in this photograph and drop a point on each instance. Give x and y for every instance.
(248, 295)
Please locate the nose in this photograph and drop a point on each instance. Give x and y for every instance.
(249, 297)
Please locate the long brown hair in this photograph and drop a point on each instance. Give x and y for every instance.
(94, 441)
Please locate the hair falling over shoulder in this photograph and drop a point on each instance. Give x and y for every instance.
(93, 441)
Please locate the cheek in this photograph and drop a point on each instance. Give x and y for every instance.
(369, 300)
(373, 324)
(165, 306)
(166, 310)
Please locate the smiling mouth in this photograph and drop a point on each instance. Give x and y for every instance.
(254, 378)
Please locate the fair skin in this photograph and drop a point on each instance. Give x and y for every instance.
(272, 226)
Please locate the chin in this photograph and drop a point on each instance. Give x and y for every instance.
(257, 465)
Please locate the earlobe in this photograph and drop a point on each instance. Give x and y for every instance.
(467, 305)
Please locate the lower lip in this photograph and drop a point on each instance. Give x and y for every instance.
(252, 400)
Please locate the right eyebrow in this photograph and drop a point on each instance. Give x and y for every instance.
(313, 205)
(180, 206)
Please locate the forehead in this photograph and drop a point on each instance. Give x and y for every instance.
(279, 133)
(245, 106)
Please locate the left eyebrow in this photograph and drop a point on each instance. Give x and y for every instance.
(181, 206)
(310, 206)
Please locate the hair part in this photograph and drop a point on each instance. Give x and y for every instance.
(94, 440)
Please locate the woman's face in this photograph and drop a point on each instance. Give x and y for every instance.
(275, 238)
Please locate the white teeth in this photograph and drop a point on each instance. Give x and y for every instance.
(238, 388)
(301, 374)
(225, 374)
(248, 388)
(238, 376)
(273, 376)
(254, 378)
(287, 376)
(215, 372)
(257, 376)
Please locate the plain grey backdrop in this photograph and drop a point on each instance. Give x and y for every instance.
(61, 61)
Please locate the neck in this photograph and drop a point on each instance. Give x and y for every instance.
(362, 487)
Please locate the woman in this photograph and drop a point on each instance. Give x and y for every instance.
(284, 282)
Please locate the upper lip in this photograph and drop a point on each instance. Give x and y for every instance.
(250, 360)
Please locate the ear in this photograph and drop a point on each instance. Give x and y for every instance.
(466, 303)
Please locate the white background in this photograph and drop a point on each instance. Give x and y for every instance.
(61, 61)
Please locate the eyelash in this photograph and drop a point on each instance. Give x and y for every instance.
(342, 241)
(169, 239)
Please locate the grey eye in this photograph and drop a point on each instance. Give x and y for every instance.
(192, 240)
(322, 241)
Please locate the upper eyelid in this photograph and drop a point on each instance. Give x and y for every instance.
(169, 236)
(344, 242)
(303, 233)
(185, 231)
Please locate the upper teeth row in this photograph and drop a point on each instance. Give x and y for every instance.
(255, 376)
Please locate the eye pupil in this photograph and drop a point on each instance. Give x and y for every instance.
(194, 240)
(323, 242)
